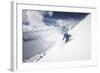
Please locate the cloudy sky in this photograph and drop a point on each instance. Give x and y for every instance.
(67, 18)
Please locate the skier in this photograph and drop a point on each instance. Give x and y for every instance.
(66, 37)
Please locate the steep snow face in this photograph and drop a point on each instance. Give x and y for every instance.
(79, 48)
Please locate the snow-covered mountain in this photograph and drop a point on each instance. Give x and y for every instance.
(39, 37)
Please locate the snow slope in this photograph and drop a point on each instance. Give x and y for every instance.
(76, 49)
